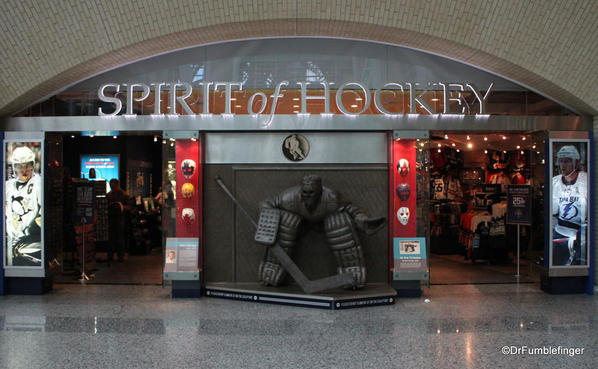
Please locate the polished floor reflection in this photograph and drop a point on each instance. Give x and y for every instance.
(464, 326)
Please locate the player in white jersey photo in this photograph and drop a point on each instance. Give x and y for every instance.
(23, 210)
(569, 209)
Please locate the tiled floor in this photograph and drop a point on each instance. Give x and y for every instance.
(453, 269)
(465, 326)
(135, 269)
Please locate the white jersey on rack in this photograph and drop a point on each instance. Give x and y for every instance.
(23, 206)
(570, 203)
(438, 188)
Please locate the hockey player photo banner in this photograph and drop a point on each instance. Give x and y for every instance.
(23, 200)
(570, 203)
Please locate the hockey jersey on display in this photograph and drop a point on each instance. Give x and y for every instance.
(438, 188)
(570, 203)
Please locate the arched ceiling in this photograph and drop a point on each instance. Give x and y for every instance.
(549, 46)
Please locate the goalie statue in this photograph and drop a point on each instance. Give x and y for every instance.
(23, 211)
(311, 205)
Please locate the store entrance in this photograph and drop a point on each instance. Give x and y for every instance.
(470, 242)
(113, 235)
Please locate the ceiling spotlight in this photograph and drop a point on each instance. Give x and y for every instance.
(458, 150)
(485, 151)
(439, 150)
(92, 136)
(522, 152)
(518, 147)
(504, 137)
(523, 138)
(485, 138)
(469, 145)
(155, 138)
(504, 151)
(114, 137)
(421, 144)
(439, 145)
(468, 138)
(446, 137)
(453, 144)
(533, 147)
(72, 136)
(538, 152)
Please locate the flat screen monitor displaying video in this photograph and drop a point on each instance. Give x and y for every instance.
(106, 167)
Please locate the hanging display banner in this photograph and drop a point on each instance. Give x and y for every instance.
(23, 199)
(181, 255)
(569, 205)
(409, 256)
(519, 204)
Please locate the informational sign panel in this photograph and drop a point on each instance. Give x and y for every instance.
(84, 198)
(182, 255)
(23, 201)
(409, 255)
(569, 203)
(519, 204)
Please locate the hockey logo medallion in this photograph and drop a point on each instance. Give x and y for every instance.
(295, 147)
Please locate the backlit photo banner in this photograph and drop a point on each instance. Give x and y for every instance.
(23, 199)
(570, 203)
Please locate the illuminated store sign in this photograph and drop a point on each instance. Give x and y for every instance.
(351, 98)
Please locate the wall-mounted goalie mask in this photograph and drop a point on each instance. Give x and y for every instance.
(188, 215)
(403, 191)
(403, 167)
(188, 168)
(188, 190)
(403, 215)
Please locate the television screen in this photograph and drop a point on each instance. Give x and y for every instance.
(106, 166)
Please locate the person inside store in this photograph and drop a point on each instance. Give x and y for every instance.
(165, 200)
(569, 206)
(119, 205)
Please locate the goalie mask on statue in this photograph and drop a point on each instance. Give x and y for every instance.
(23, 162)
(311, 191)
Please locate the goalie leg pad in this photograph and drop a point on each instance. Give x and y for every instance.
(270, 272)
(344, 243)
